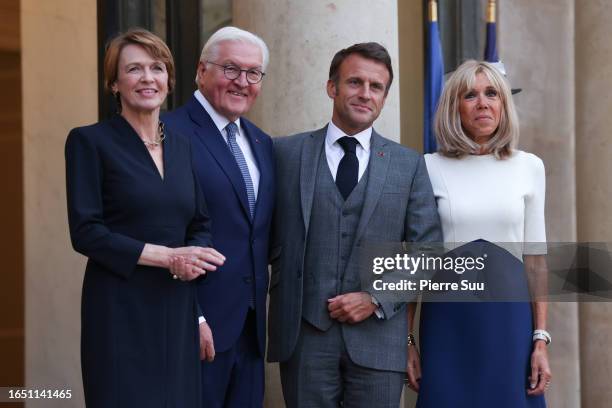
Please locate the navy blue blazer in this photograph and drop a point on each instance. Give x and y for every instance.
(139, 330)
(224, 294)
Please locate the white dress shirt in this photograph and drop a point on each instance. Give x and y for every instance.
(334, 152)
(221, 122)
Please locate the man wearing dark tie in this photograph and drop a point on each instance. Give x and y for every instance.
(234, 163)
(341, 187)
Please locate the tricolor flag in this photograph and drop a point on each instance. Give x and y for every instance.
(490, 54)
(434, 77)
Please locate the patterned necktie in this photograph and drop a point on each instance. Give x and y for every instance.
(232, 129)
(348, 169)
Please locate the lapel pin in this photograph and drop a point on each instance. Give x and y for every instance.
(256, 140)
(381, 154)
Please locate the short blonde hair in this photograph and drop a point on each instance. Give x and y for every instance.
(450, 135)
(155, 46)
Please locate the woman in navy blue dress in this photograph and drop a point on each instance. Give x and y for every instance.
(136, 212)
(489, 195)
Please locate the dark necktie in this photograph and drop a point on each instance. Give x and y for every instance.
(348, 169)
(232, 129)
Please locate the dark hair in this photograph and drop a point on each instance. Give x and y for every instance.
(154, 45)
(370, 50)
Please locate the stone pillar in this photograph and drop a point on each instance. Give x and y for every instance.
(12, 292)
(59, 73)
(411, 83)
(412, 78)
(303, 36)
(536, 43)
(594, 188)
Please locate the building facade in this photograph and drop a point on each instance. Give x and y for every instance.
(558, 51)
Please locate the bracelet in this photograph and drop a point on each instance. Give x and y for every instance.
(540, 334)
(411, 340)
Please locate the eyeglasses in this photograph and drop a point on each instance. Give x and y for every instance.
(231, 72)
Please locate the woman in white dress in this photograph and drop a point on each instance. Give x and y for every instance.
(484, 354)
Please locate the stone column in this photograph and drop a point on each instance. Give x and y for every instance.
(412, 67)
(11, 207)
(59, 73)
(536, 43)
(303, 36)
(594, 188)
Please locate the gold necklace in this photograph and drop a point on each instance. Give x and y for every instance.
(161, 135)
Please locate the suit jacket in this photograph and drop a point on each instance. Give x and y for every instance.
(224, 294)
(398, 189)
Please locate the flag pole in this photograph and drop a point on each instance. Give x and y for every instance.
(433, 11)
(491, 18)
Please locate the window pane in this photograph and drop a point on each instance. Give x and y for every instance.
(214, 14)
(462, 30)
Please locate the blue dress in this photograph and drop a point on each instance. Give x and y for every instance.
(139, 331)
(477, 354)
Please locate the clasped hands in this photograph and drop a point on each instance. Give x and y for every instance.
(187, 263)
(351, 307)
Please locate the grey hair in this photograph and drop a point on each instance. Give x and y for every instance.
(450, 135)
(211, 48)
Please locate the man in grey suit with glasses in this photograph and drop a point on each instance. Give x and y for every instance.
(337, 188)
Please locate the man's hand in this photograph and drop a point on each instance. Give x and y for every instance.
(207, 346)
(351, 307)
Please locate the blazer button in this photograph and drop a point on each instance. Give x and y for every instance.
(346, 212)
(345, 234)
(299, 273)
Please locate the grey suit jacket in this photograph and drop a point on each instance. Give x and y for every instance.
(398, 189)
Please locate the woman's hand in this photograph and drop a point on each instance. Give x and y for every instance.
(187, 263)
(183, 270)
(540, 370)
(414, 368)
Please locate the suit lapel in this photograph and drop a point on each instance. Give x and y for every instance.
(380, 157)
(207, 134)
(311, 152)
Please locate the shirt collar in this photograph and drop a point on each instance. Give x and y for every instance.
(219, 120)
(334, 133)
